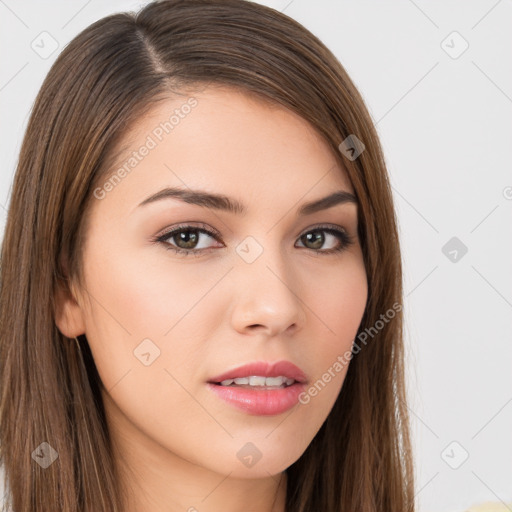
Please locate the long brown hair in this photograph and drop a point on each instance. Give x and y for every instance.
(102, 82)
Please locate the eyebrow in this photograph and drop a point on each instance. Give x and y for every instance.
(222, 202)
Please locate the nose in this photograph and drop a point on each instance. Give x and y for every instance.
(265, 296)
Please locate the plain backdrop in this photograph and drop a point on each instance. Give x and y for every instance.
(438, 83)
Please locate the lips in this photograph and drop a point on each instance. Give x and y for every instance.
(263, 369)
(260, 400)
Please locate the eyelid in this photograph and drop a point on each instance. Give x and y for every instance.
(189, 224)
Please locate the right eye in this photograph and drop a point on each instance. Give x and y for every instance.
(186, 239)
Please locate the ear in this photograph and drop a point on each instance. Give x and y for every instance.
(68, 313)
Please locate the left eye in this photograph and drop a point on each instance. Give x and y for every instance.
(317, 238)
(187, 239)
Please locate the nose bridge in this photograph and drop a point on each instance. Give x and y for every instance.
(265, 294)
(263, 260)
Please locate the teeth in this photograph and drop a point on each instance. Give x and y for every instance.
(260, 381)
(256, 380)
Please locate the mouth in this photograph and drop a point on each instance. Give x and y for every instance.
(260, 388)
(257, 382)
(262, 374)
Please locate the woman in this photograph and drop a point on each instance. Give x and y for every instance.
(201, 281)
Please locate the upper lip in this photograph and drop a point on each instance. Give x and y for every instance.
(263, 369)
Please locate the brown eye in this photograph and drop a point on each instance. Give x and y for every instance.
(316, 238)
(187, 239)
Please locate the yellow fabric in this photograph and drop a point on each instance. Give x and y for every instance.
(491, 507)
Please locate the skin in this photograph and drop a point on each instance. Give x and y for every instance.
(175, 441)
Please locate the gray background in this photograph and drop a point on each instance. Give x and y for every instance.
(443, 116)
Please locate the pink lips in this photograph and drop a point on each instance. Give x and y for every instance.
(261, 401)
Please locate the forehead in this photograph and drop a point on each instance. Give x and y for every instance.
(223, 140)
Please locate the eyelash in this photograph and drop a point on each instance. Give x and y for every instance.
(345, 238)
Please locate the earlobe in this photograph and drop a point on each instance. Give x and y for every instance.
(68, 313)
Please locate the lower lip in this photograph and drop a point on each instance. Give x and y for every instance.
(261, 402)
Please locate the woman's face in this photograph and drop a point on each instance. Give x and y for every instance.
(267, 286)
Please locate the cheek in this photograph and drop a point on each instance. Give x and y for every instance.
(146, 296)
(148, 310)
(338, 301)
(146, 328)
(339, 296)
